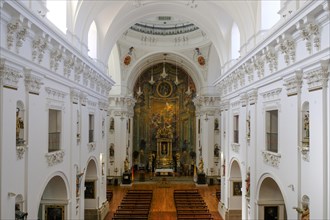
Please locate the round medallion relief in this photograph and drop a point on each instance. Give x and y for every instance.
(164, 89)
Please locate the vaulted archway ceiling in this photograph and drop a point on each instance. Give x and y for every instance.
(173, 27)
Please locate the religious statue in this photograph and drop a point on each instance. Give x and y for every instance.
(78, 183)
(247, 180)
(201, 165)
(248, 126)
(19, 124)
(126, 165)
(304, 211)
(306, 125)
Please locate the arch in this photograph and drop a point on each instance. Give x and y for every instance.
(269, 194)
(54, 9)
(157, 57)
(269, 13)
(92, 40)
(235, 189)
(54, 196)
(235, 41)
(91, 184)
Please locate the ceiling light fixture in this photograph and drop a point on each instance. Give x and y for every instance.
(164, 74)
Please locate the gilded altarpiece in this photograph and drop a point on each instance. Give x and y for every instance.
(164, 114)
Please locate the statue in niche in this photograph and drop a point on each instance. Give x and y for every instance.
(306, 125)
(78, 182)
(304, 211)
(112, 124)
(201, 166)
(248, 126)
(216, 125)
(19, 125)
(247, 180)
(126, 165)
(112, 150)
(216, 150)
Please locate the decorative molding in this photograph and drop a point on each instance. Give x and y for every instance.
(79, 69)
(55, 58)
(235, 104)
(235, 147)
(318, 78)
(75, 95)
(55, 157)
(308, 32)
(39, 45)
(211, 101)
(288, 48)
(252, 96)
(83, 98)
(304, 149)
(271, 59)
(91, 103)
(103, 105)
(11, 29)
(55, 94)
(271, 94)
(293, 83)
(9, 76)
(91, 146)
(20, 37)
(68, 65)
(259, 65)
(20, 150)
(32, 82)
(271, 158)
(244, 99)
(224, 105)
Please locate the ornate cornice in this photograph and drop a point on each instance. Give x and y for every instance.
(235, 147)
(271, 158)
(207, 101)
(39, 46)
(54, 158)
(235, 104)
(68, 65)
(224, 105)
(271, 94)
(91, 103)
(293, 83)
(32, 82)
(91, 147)
(252, 96)
(9, 76)
(244, 99)
(318, 78)
(310, 33)
(288, 47)
(75, 94)
(55, 58)
(20, 150)
(271, 59)
(83, 98)
(122, 101)
(55, 94)
(103, 105)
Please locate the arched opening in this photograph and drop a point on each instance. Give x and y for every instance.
(270, 202)
(164, 118)
(92, 41)
(235, 192)
(56, 8)
(269, 13)
(54, 200)
(235, 42)
(91, 194)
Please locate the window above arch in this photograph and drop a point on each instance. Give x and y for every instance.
(55, 13)
(235, 42)
(269, 13)
(92, 41)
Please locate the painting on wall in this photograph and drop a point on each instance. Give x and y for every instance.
(54, 212)
(90, 190)
(237, 188)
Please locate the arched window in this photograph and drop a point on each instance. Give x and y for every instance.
(235, 42)
(92, 41)
(57, 13)
(269, 13)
